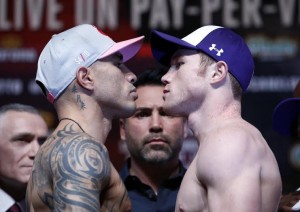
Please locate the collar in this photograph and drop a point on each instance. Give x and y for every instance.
(6, 200)
(124, 173)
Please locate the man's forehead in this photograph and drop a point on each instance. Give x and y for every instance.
(184, 52)
(150, 96)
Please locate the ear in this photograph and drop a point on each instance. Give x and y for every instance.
(122, 129)
(84, 78)
(220, 72)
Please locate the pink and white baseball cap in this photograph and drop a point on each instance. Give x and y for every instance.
(74, 48)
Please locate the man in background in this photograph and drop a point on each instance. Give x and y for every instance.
(153, 172)
(22, 131)
(286, 121)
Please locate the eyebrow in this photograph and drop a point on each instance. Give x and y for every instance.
(22, 136)
(143, 108)
(148, 108)
(26, 136)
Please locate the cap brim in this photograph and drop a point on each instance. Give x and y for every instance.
(163, 46)
(127, 48)
(285, 116)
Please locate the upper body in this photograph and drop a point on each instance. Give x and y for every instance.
(154, 139)
(72, 170)
(22, 131)
(234, 168)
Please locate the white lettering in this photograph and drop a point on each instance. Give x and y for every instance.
(35, 13)
(229, 8)
(250, 13)
(84, 12)
(177, 7)
(208, 8)
(19, 14)
(13, 87)
(159, 15)
(5, 24)
(108, 14)
(138, 7)
(273, 84)
(287, 11)
(53, 9)
(28, 55)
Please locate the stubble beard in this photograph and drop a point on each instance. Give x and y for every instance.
(156, 154)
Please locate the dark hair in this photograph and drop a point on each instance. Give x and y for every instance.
(151, 76)
(19, 108)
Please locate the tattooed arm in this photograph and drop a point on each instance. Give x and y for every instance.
(82, 170)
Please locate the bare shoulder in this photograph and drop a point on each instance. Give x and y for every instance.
(76, 169)
(78, 152)
(233, 144)
(237, 133)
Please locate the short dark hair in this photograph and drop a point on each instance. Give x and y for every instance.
(151, 76)
(19, 108)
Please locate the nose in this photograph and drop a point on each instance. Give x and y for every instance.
(34, 147)
(131, 77)
(155, 123)
(165, 79)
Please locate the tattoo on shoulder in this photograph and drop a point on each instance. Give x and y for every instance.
(75, 170)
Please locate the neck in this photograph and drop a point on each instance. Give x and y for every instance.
(222, 112)
(154, 174)
(91, 122)
(72, 121)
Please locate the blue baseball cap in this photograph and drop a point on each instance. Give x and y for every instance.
(220, 43)
(285, 116)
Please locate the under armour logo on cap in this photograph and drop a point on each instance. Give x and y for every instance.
(213, 47)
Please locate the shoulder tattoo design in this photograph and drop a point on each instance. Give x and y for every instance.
(75, 169)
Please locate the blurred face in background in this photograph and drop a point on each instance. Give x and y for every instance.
(22, 133)
(152, 135)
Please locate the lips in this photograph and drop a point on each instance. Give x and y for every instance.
(156, 140)
(133, 93)
(26, 166)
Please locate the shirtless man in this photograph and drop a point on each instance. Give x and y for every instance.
(81, 72)
(234, 168)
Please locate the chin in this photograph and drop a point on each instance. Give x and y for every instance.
(173, 110)
(157, 156)
(24, 179)
(126, 112)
